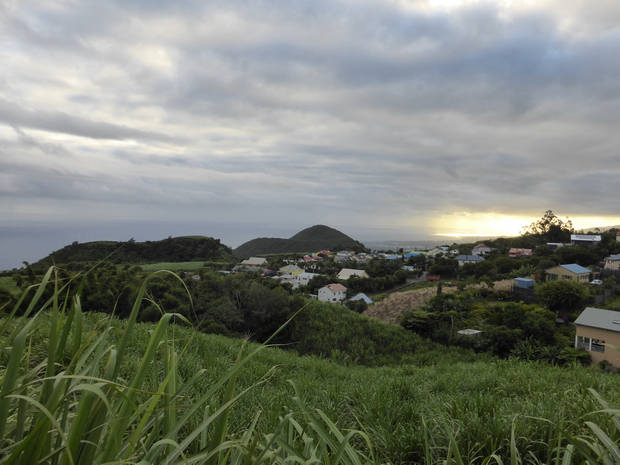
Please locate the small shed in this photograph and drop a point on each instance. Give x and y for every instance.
(524, 283)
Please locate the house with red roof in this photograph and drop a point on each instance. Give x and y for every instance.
(516, 253)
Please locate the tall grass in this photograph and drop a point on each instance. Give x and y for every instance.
(70, 398)
(90, 389)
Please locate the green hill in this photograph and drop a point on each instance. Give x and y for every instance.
(172, 249)
(311, 239)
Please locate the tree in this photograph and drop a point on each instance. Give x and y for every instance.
(549, 228)
(561, 296)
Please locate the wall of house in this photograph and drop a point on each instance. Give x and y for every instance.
(612, 265)
(330, 296)
(559, 273)
(609, 337)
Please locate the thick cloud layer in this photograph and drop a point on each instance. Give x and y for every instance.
(279, 115)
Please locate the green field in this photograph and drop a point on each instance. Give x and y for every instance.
(6, 282)
(179, 266)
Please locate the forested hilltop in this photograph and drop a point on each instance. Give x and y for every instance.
(311, 239)
(172, 249)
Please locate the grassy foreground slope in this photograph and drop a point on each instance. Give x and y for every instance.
(89, 388)
(411, 412)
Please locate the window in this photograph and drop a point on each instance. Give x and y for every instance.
(567, 278)
(552, 277)
(594, 345)
(597, 345)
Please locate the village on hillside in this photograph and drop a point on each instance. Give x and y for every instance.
(352, 283)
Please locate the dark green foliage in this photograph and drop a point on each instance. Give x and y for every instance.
(326, 329)
(380, 267)
(211, 327)
(358, 305)
(178, 249)
(531, 349)
(561, 297)
(6, 301)
(444, 267)
(584, 256)
(503, 325)
(549, 228)
(312, 239)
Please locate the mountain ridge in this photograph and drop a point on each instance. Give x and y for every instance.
(312, 239)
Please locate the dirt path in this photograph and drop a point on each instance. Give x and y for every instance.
(392, 307)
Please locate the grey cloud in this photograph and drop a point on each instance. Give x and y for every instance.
(45, 147)
(57, 121)
(322, 108)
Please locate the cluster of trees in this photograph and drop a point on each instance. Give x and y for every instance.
(172, 249)
(228, 304)
(505, 326)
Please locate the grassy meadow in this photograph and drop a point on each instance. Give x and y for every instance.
(9, 284)
(172, 266)
(88, 388)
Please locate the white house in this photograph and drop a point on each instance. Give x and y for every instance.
(585, 239)
(437, 250)
(481, 249)
(332, 293)
(302, 279)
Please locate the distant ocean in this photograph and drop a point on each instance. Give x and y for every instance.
(409, 246)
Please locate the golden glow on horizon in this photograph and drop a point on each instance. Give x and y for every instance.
(493, 224)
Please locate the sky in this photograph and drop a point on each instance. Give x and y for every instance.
(237, 119)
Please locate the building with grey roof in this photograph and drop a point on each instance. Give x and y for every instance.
(598, 331)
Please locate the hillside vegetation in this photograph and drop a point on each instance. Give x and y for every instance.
(172, 249)
(121, 392)
(392, 308)
(309, 240)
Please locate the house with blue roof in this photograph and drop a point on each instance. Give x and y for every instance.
(571, 272)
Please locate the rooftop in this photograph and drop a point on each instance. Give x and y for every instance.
(574, 268)
(599, 318)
